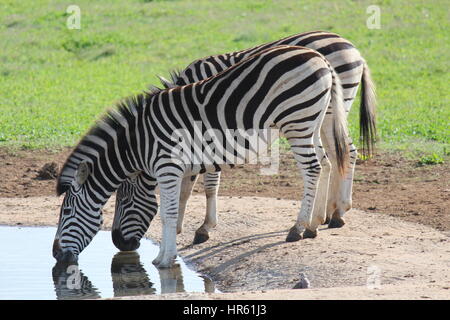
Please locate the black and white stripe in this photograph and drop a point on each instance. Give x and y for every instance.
(350, 67)
(285, 87)
(136, 206)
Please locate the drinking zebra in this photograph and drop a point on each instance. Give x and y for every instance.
(287, 88)
(131, 224)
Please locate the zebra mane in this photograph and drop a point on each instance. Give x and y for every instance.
(152, 90)
(174, 75)
(124, 111)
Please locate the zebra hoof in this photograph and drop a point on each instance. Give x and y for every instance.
(122, 244)
(294, 234)
(308, 234)
(164, 263)
(336, 223)
(200, 238)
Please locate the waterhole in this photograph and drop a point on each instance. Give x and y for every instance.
(29, 271)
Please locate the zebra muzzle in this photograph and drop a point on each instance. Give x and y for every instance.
(124, 244)
(61, 255)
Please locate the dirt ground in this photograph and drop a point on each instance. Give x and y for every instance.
(388, 183)
(399, 238)
(247, 256)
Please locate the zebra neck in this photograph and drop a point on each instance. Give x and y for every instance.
(113, 149)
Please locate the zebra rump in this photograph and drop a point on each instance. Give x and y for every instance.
(341, 53)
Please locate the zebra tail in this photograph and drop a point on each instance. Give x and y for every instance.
(367, 116)
(340, 129)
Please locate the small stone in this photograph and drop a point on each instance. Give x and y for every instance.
(303, 283)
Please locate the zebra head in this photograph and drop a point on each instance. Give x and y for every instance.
(136, 206)
(80, 216)
(106, 156)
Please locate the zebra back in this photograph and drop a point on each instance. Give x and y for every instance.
(342, 55)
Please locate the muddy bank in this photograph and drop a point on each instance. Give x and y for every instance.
(247, 250)
(388, 183)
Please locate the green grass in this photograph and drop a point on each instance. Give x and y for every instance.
(431, 159)
(55, 82)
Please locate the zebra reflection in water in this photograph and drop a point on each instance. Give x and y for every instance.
(129, 278)
(71, 284)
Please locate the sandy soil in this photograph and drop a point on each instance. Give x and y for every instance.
(388, 183)
(404, 235)
(247, 252)
(386, 292)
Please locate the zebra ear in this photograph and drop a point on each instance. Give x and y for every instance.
(82, 173)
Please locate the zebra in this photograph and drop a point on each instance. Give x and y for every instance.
(128, 227)
(129, 277)
(70, 283)
(286, 87)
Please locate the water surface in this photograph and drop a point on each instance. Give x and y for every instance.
(29, 271)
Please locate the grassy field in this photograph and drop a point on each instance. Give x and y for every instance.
(56, 81)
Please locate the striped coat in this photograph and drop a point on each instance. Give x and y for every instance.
(288, 88)
(351, 69)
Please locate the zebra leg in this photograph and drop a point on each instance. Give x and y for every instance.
(343, 197)
(211, 182)
(171, 279)
(320, 206)
(340, 193)
(340, 190)
(169, 186)
(335, 181)
(336, 178)
(309, 164)
(187, 184)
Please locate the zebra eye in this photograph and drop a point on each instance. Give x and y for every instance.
(67, 211)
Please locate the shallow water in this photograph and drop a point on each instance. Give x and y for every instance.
(28, 269)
